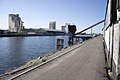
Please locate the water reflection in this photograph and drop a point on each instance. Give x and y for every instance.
(16, 53)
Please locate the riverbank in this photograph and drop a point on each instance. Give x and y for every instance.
(16, 51)
(79, 62)
(27, 35)
(40, 60)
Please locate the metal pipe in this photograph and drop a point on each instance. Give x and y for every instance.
(90, 27)
(112, 48)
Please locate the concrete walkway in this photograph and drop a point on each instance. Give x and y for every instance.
(85, 63)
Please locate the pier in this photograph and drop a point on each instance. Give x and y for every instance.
(84, 61)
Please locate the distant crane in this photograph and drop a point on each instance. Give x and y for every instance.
(21, 28)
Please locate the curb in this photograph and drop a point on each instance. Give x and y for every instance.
(39, 65)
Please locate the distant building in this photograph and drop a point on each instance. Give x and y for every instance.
(63, 28)
(1, 31)
(52, 25)
(67, 28)
(44, 31)
(66, 25)
(14, 22)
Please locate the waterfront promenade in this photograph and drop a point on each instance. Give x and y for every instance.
(86, 62)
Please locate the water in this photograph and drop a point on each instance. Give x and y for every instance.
(16, 51)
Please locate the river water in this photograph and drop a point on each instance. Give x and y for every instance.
(16, 51)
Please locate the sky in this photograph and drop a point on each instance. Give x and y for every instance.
(38, 13)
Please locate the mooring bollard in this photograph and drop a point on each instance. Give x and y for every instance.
(60, 44)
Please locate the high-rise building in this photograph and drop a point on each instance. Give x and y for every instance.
(52, 25)
(66, 25)
(14, 22)
(63, 28)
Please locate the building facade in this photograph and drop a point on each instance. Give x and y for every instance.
(14, 22)
(52, 25)
(63, 28)
(112, 37)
